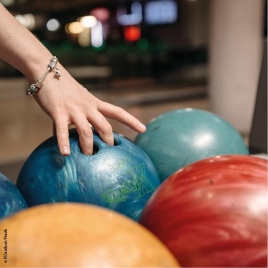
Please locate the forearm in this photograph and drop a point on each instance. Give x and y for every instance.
(64, 100)
(20, 48)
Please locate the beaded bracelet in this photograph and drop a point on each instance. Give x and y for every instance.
(34, 88)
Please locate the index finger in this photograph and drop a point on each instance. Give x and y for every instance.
(121, 115)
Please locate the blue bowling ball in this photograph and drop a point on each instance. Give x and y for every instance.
(120, 177)
(11, 200)
(180, 137)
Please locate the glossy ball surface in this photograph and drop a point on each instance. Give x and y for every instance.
(79, 235)
(11, 200)
(178, 138)
(120, 177)
(213, 213)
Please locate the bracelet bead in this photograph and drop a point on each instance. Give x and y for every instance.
(34, 88)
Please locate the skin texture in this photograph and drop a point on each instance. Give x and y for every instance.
(76, 235)
(64, 99)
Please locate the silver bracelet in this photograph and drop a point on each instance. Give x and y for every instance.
(34, 88)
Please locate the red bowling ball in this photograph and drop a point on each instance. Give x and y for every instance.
(213, 213)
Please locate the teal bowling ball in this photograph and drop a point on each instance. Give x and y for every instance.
(11, 200)
(180, 137)
(120, 177)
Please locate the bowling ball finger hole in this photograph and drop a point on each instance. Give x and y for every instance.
(117, 141)
(95, 148)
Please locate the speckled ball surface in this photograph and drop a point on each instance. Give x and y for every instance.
(11, 200)
(120, 177)
(180, 137)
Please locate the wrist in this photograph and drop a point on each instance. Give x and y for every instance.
(50, 68)
(34, 66)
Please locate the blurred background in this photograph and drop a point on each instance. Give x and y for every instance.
(147, 56)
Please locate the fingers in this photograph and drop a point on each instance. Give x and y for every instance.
(102, 126)
(96, 117)
(85, 133)
(119, 114)
(85, 139)
(60, 128)
(84, 130)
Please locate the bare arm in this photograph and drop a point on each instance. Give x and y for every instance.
(64, 100)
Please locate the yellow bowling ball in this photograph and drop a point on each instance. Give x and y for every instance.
(78, 235)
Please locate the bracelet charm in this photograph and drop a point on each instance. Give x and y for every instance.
(34, 88)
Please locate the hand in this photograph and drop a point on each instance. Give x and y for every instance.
(67, 102)
(64, 100)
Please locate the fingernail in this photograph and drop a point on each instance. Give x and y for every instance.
(141, 126)
(65, 150)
